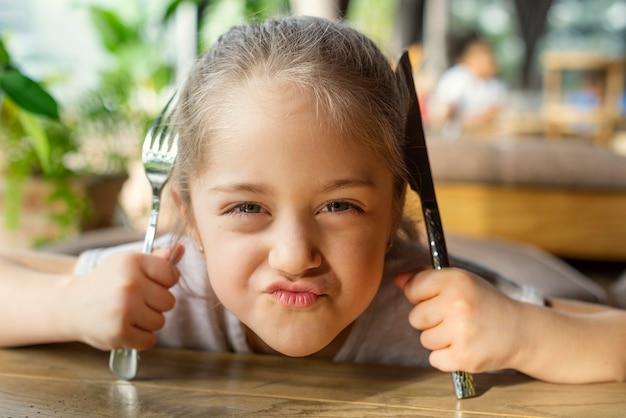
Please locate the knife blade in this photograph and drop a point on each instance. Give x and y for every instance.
(421, 181)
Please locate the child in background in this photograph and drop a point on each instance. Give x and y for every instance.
(290, 183)
(469, 95)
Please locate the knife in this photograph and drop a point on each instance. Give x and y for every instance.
(421, 181)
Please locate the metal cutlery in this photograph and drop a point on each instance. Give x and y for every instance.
(159, 150)
(421, 181)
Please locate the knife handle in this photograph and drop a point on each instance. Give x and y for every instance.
(463, 381)
(436, 239)
(463, 385)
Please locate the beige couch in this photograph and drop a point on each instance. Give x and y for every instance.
(568, 198)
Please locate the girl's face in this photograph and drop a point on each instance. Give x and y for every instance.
(294, 220)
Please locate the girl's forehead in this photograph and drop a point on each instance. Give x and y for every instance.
(275, 125)
(277, 106)
(274, 97)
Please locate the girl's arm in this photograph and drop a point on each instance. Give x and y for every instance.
(573, 342)
(470, 325)
(119, 304)
(32, 287)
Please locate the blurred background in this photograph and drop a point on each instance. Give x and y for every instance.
(81, 80)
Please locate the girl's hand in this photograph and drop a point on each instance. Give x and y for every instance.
(122, 302)
(467, 323)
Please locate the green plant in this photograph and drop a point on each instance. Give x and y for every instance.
(33, 142)
(112, 118)
(94, 137)
(30, 99)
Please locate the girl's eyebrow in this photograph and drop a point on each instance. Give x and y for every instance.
(265, 189)
(242, 187)
(347, 183)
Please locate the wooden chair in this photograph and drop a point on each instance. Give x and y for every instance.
(599, 121)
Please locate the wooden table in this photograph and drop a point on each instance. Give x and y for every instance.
(74, 381)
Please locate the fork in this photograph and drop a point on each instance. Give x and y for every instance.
(158, 155)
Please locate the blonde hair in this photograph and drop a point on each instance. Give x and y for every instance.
(355, 88)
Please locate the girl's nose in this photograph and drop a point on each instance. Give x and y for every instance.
(293, 251)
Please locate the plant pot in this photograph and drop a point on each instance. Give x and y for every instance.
(39, 217)
(102, 192)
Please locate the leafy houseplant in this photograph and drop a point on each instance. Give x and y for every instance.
(89, 143)
(93, 140)
(33, 142)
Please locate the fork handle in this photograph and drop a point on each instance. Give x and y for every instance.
(124, 362)
(152, 224)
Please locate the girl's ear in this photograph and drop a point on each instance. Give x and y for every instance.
(399, 221)
(178, 201)
(188, 225)
(401, 203)
(405, 187)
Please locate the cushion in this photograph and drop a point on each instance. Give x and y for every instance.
(527, 264)
(528, 162)
(618, 292)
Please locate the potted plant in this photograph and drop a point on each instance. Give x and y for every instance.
(61, 171)
(88, 146)
(33, 142)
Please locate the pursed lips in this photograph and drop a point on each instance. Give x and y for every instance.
(294, 295)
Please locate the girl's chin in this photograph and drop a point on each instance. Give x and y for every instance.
(291, 351)
(296, 345)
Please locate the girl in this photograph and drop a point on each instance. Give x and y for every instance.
(291, 185)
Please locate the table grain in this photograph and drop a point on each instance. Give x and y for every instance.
(73, 380)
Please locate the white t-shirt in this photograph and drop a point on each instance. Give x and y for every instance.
(471, 95)
(382, 334)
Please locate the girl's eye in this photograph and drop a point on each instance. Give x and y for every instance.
(339, 206)
(247, 208)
